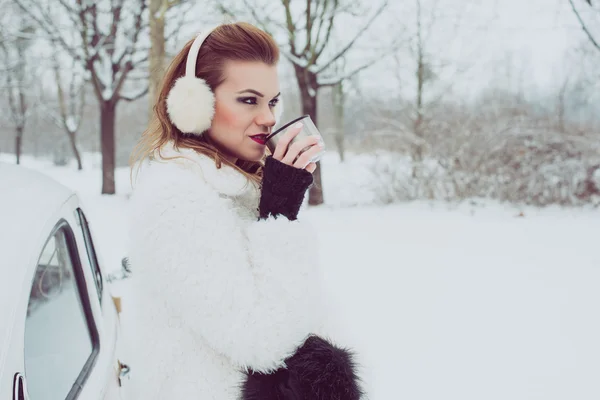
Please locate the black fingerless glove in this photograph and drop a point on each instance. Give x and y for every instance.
(283, 189)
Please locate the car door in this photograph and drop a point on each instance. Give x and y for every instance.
(115, 368)
(61, 336)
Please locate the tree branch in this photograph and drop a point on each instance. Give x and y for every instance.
(115, 24)
(338, 80)
(265, 23)
(71, 12)
(291, 27)
(125, 63)
(317, 53)
(44, 21)
(139, 61)
(320, 22)
(351, 43)
(137, 96)
(62, 107)
(136, 78)
(308, 27)
(583, 26)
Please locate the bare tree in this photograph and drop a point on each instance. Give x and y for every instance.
(158, 38)
(70, 97)
(424, 74)
(421, 69)
(426, 68)
(338, 98)
(16, 72)
(582, 96)
(106, 45)
(561, 104)
(308, 30)
(577, 94)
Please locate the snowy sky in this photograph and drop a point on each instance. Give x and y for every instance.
(539, 31)
(493, 39)
(506, 42)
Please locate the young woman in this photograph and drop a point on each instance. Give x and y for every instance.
(226, 277)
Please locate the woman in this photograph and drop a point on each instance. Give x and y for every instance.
(227, 277)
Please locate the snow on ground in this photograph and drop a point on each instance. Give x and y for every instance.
(445, 305)
(465, 301)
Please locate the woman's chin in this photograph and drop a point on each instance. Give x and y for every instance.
(254, 155)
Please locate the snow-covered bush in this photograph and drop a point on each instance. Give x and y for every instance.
(538, 168)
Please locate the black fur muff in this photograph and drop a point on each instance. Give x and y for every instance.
(317, 371)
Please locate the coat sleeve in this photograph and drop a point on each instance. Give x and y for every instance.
(251, 291)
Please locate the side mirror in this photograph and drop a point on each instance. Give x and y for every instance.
(123, 273)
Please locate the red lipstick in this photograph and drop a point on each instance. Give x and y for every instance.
(261, 138)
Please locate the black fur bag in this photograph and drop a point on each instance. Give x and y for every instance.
(317, 371)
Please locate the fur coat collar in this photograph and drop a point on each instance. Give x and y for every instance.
(225, 180)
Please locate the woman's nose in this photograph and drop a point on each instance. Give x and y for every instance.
(266, 117)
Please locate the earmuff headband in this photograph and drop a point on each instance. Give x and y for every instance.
(190, 65)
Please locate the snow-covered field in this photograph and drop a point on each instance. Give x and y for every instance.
(470, 301)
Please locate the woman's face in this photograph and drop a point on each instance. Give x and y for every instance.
(244, 105)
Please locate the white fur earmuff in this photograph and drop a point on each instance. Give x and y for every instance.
(191, 103)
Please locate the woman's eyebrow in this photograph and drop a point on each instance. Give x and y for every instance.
(259, 94)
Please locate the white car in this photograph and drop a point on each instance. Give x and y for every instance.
(59, 325)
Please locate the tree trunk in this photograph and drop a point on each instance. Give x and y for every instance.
(315, 193)
(417, 127)
(75, 150)
(562, 106)
(156, 57)
(108, 110)
(338, 107)
(417, 153)
(307, 83)
(18, 143)
(339, 142)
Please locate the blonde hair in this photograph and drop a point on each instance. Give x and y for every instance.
(238, 41)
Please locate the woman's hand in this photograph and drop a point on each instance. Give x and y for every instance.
(290, 156)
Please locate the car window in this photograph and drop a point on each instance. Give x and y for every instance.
(91, 252)
(61, 340)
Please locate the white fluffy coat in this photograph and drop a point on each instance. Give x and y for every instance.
(219, 291)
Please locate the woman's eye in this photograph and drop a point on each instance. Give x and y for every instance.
(247, 100)
(254, 101)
